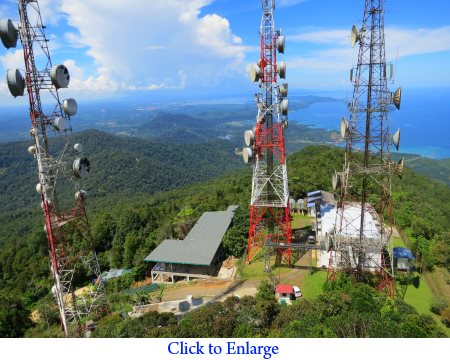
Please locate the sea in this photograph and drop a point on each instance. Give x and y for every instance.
(424, 119)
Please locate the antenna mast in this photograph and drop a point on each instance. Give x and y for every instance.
(270, 221)
(68, 232)
(362, 236)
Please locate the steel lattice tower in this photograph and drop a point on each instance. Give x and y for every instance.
(362, 236)
(68, 232)
(269, 211)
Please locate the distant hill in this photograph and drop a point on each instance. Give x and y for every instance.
(119, 164)
(178, 128)
(196, 129)
(434, 169)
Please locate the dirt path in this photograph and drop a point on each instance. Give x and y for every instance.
(219, 290)
(222, 289)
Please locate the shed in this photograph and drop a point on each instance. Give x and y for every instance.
(402, 257)
(285, 291)
(114, 273)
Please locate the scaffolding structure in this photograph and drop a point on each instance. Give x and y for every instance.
(269, 204)
(361, 241)
(60, 166)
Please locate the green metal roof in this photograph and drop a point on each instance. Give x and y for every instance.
(200, 245)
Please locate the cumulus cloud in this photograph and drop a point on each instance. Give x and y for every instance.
(156, 44)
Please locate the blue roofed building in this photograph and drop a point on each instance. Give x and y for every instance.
(402, 258)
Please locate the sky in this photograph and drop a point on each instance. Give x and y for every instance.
(182, 48)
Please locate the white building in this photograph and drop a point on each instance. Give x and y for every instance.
(350, 231)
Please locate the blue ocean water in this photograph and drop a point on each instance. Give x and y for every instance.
(424, 119)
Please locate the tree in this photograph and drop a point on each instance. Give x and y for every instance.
(14, 318)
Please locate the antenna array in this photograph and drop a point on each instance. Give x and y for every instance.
(68, 232)
(362, 237)
(270, 221)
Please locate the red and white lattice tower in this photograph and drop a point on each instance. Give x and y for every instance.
(59, 166)
(269, 211)
(362, 234)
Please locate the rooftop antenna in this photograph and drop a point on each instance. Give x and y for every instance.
(56, 165)
(270, 222)
(357, 246)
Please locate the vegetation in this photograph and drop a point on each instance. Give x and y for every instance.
(135, 216)
(343, 310)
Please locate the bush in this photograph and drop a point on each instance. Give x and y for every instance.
(446, 316)
(437, 305)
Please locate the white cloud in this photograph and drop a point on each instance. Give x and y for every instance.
(12, 60)
(141, 44)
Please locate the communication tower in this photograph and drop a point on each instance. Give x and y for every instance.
(60, 165)
(362, 234)
(269, 205)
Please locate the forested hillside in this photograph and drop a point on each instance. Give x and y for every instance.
(119, 165)
(434, 169)
(129, 222)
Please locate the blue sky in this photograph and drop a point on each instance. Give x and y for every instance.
(204, 47)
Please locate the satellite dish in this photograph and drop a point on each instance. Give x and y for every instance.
(59, 123)
(284, 90)
(285, 106)
(249, 137)
(281, 69)
(81, 168)
(70, 107)
(336, 180)
(281, 41)
(16, 82)
(41, 188)
(344, 127)
(255, 73)
(80, 195)
(398, 98)
(8, 33)
(354, 36)
(60, 76)
(247, 155)
(396, 139)
(32, 150)
(399, 168)
(261, 119)
(285, 124)
(78, 147)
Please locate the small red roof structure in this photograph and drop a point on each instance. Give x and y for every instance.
(285, 289)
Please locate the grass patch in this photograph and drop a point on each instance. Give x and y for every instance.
(398, 242)
(256, 268)
(438, 281)
(420, 298)
(301, 221)
(313, 284)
